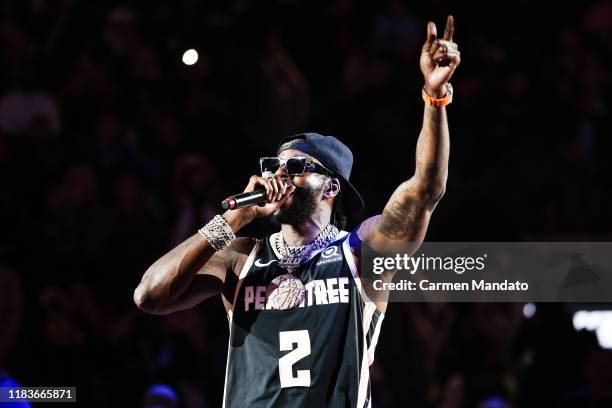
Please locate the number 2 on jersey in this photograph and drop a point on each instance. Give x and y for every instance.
(286, 362)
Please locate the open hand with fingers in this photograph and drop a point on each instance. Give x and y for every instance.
(439, 58)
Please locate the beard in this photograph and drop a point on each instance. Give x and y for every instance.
(303, 204)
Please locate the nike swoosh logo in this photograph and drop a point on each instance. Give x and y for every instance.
(262, 265)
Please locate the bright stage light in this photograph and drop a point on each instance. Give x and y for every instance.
(599, 321)
(529, 310)
(190, 57)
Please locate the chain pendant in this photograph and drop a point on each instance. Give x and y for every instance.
(285, 292)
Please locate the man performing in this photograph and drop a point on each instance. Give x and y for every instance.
(302, 332)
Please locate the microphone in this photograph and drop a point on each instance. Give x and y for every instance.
(235, 201)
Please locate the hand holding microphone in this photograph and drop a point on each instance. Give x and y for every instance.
(273, 192)
(259, 196)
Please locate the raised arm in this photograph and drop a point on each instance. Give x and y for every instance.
(406, 216)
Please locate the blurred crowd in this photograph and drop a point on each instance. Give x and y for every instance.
(112, 151)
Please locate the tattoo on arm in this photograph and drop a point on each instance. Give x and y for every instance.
(404, 215)
(399, 217)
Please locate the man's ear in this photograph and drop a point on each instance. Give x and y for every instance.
(332, 188)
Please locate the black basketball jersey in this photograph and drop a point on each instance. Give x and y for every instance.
(314, 355)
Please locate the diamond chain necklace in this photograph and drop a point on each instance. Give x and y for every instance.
(293, 256)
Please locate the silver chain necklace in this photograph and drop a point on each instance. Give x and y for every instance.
(287, 291)
(293, 256)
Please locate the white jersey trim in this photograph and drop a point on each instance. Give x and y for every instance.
(230, 313)
(364, 377)
(374, 341)
(229, 350)
(249, 262)
(368, 314)
(350, 260)
(243, 272)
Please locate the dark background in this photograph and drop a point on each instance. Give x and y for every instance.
(112, 151)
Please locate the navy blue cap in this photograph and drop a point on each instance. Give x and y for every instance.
(334, 155)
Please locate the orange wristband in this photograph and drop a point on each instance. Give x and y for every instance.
(438, 103)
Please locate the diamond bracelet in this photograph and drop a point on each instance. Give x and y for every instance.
(218, 233)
